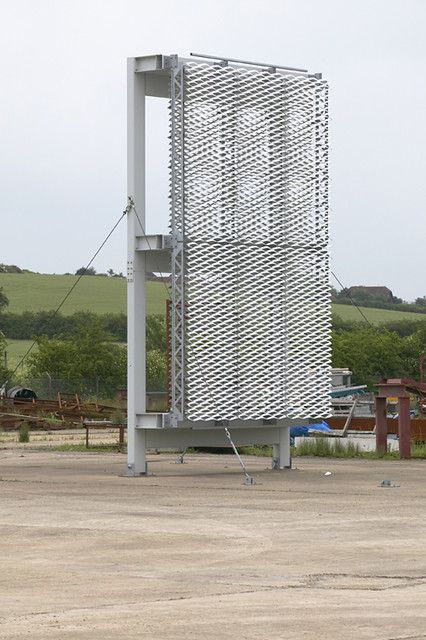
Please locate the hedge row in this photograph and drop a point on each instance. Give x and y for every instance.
(377, 303)
(28, 325)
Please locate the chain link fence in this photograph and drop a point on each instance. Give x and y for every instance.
(90, 389)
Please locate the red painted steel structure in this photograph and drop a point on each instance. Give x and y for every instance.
(399, 388)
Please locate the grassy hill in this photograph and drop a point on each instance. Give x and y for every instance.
(36, 292)
(375, 316)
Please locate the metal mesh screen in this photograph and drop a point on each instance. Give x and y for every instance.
(249, 223)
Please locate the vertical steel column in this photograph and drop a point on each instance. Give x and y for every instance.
(177, 364)
(136, 391)
(281, 458)
(381, 426)
(404, 427)
(284, 448)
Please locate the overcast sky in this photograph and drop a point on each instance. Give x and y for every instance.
(63, 121)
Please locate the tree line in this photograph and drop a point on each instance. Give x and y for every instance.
(85, 345)
(365, 299)
(373, 353)
(86, 358)
(30, 324)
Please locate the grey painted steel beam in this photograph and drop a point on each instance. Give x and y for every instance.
(181, 438)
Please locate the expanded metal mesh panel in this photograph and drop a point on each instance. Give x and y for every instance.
(249, 222)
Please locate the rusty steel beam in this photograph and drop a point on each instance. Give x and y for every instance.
(381, 426)
(401, 389)
(404, 428)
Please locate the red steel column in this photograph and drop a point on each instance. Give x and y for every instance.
(404, 430)
(381, 426)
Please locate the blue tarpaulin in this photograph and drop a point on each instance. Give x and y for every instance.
(304, 430)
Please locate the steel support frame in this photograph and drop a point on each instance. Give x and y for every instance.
(177, 373)
(399, 391)
(136, 269)
(152, 76)
(181, 438)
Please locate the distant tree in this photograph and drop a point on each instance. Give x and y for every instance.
(11, 268)
(85, 354)
(83, 271)
(156, 332)
(111, 272)
(343, 294)
(419, 340)
(334, 293)
(116, 325)
(372, 354)
(156, 370)
(4, 300)
(405, 327)
(4, 373)
(421, 302)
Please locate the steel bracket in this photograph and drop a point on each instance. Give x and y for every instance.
(171, 61)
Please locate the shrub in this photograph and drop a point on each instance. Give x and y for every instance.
(24, 433)
(87, 354)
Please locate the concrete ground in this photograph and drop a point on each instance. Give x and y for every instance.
(190, 552)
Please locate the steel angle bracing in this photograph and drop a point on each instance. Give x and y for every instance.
(250, 312)
(177, 234)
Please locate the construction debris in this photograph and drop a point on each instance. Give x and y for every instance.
(64, 412)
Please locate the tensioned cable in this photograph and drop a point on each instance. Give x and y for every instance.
(209, 391)
(372, 326)
(353, 301)
(249, 478)
(227, 432)
(131, 205)
(69, 292)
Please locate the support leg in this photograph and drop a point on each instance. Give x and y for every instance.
(404, 430)
(136, 465)
(281, 450)
(381, 426)
(136, 269)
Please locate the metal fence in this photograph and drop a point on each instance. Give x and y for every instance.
(94, 388)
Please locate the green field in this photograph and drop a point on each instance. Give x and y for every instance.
(37, 292)
(99, 294)
(375, 316)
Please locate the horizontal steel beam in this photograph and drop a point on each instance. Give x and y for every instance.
(157, 252)
(149, 63)
(253, 64)
(162, 420)
(155, 242)
(182, 438)
(160, 64)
